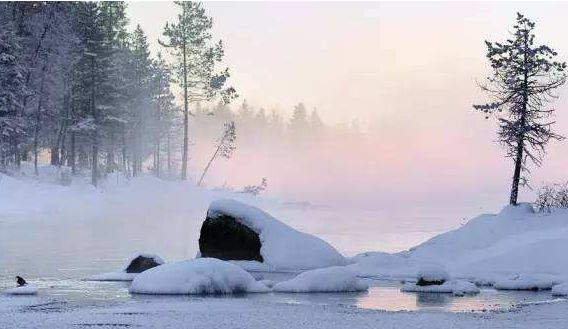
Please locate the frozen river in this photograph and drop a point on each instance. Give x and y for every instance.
(57, 254)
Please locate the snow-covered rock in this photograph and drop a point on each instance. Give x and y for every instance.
(136, 264)
(432, 274)
(525, 283)
(282, 247)
(456, 287)
(28, 289)
(560, 289)
(196, 276)
(331, 279)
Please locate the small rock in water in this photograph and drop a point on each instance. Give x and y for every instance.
(141, 264)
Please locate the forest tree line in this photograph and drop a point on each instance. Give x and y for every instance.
(77, 85)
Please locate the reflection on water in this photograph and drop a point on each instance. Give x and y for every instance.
(57, 254)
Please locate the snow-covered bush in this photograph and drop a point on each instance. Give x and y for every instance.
(196, 277)
(331, 279)
(552, 196)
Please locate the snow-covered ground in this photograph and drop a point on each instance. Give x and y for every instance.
(86, 231)
(516, 244)
(253, 313)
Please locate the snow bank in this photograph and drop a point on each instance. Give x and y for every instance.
(123, 275)
(456, 287)
(331, 279)
(525, 283)
(516, 241)
(560, 290)
(196, 276)
(23, 290)
(282, 246)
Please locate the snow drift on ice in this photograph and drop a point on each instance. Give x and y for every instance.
(331, 279)
(196, 276)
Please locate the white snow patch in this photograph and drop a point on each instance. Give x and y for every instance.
(282, 246)
(456, 287)
(331, 279)
(560, 289)
(525, 283)
(196, 276)
(22, 290)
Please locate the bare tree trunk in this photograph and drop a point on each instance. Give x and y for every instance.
(95, 147)
(520, 142)
(185, 113)
(110, 164)
(38, 116)
(169, 153)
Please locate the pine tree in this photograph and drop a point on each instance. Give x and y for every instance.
(190, 41)
(12, 90)
(523, 80)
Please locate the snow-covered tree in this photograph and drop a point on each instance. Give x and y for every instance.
(524, 77)
(12, 90)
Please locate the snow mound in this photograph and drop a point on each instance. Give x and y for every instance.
(560, 290)
(123, 274)
(455, 287)
(516, 241)
(23, 290)
(331, 279)
(196, 276)
(524, 283)
(433, 273)
(282, 246)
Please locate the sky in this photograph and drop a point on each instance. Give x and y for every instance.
(407, 71)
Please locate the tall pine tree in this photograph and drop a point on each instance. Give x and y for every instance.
(524, 77)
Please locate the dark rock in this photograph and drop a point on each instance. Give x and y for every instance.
(422, 282)
(141, 264)
(223, 237)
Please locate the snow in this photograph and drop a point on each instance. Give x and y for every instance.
(456, 287)
(489, 248)
(249, 313)
(282, 246)
(22, 290)
(122, 275)
(560, 289)
(196, 276)
(433, 272)
(112, 276)
(525, 283)
(331, 279)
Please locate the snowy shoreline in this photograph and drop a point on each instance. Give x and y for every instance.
(514, 249)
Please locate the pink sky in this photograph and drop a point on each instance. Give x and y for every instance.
(407, 71)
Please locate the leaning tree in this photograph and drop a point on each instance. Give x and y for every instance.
(524, 76)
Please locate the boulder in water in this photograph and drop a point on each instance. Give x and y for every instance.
(143, 262)
(236, 231)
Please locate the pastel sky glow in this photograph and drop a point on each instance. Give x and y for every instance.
(407, 71)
